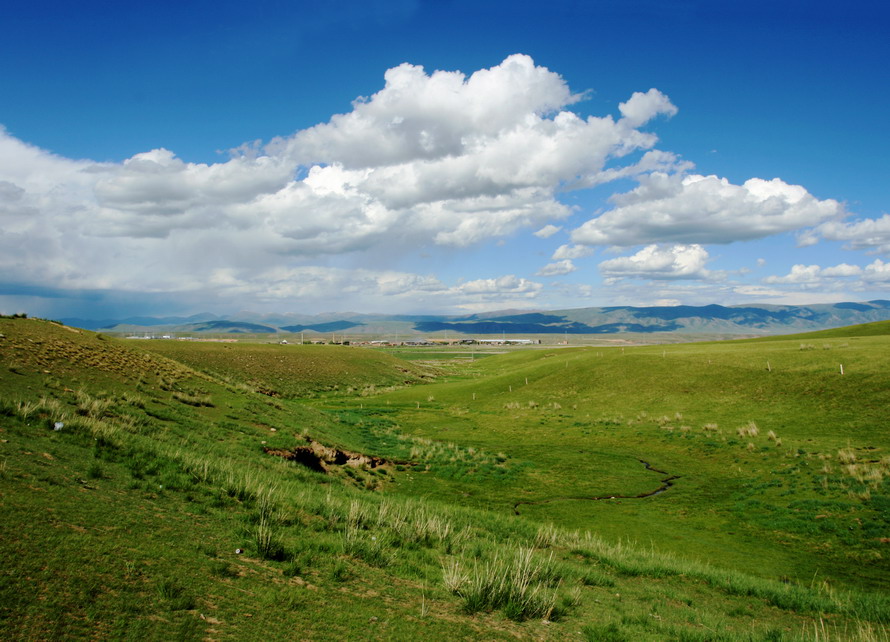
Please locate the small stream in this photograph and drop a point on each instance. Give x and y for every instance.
(666, 483)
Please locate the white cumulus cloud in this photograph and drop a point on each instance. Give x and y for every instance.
(834, 283)
(660, 262)
(798, 274)
(814, 274)
(865, 234)
(842, 270)
(557, 268)
(682, 208)
(643, 107)
(877, 272)
(505, 285)
(547, 231)
(571, 252)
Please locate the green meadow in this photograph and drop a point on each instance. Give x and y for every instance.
(704, 491)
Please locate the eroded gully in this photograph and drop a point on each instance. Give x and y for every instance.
(666, 483)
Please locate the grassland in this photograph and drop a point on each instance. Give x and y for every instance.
(800, 495)
(293, 371)
(139, 499)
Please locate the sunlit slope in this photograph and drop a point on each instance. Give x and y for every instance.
(154, 512)
(878, 328)
(293, 370)
(129, 480)
(780, 459)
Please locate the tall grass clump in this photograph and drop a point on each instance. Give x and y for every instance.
(92, 407)
(193, 399)
(26, 409)
(863, 632)
(132, 399)
(517, 586)
(174, 595)
(546, 536)
(268, 545)
(750, 429)
(374, 548)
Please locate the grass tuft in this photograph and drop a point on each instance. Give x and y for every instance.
(514, 586)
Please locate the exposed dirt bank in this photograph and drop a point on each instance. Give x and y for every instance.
(321, 458)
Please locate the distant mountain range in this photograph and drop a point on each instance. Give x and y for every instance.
(708, 319)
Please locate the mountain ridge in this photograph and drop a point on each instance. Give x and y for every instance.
(714, 318)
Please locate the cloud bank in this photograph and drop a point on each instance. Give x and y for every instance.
(434, 161)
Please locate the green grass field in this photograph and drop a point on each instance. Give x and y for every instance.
(293, 371)
(786, 505)
(142, 497)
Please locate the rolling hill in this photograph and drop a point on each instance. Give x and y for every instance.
(722, 491)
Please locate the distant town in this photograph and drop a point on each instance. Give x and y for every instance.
(380, 343)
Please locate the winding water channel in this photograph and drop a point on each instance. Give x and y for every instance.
(666, 483)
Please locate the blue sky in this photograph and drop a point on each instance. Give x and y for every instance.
(451, 156)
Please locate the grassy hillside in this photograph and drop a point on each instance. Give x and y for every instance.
(142, 496)
(780, 460)
(876, 329)
(293, 371)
